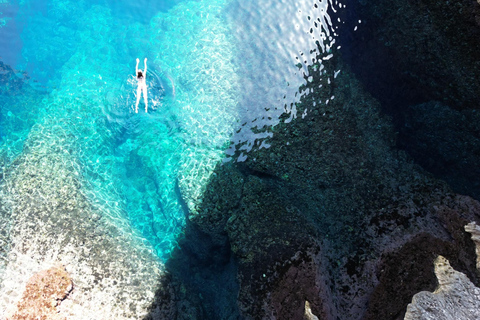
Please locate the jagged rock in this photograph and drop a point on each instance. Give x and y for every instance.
(474, 229)
(406, 270)
(456, 297)
(308, 312)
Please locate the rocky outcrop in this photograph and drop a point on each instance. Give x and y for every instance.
(456, 297)
(308, 312)
(474, 229)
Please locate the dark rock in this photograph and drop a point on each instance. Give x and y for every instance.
(174, 301)
(334, 213)
(10, 84)
(319, 218)
(278, 256)
(411, 52)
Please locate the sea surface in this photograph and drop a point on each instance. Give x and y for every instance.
(342, 114)
(221, 73)
(89, 183)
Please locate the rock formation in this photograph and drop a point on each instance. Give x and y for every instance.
(474, 229)
(341, 210)
(455, 298)
(339, 217)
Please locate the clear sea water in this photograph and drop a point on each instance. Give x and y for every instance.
(220, 74)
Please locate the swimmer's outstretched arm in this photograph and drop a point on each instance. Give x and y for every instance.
(136, 68)
(145, 99)
(145, 61)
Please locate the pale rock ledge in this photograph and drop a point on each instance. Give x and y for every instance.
(456, 297)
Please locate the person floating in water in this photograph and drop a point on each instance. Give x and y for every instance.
(141, 85)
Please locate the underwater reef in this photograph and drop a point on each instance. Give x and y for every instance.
(420, 60)
(344, 215)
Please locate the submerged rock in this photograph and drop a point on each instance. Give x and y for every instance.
(420, 60)
(446, 142)
(331, 213)
(50, 221)
(409, 53)
(44, 291)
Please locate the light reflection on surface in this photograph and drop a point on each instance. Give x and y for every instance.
(276, 41)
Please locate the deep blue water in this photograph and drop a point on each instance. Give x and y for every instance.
(220, 74)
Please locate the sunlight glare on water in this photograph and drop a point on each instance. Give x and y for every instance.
(276, 41)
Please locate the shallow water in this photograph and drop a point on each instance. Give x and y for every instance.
(220, 75)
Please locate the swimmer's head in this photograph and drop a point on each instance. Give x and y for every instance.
(139, 74)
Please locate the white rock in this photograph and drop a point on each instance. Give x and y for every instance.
(456, 297)
(475, 231)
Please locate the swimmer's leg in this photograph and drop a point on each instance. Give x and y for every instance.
(145, 98)
(139, 92)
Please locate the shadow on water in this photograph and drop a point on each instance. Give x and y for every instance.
(201, 279)
(200, 282)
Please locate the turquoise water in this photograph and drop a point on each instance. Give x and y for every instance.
(80, 58)
(220, 75)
